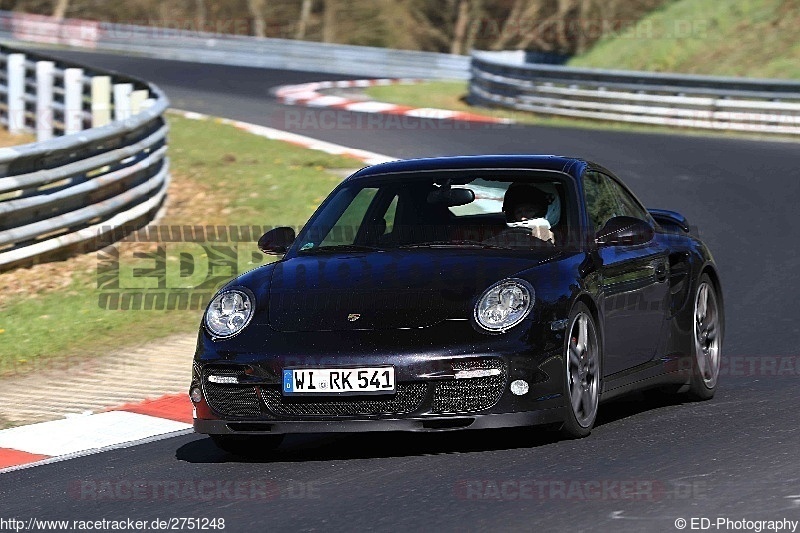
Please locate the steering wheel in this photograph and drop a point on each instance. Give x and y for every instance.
(512, 236)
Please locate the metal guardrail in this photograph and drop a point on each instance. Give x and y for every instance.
(76, 186)
(503, 79)
(203, 47)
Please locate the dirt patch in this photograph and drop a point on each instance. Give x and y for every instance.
(14, 139)
(73, 386)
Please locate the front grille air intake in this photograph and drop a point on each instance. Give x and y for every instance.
(472, 394)
(409, 397)
(230, 400)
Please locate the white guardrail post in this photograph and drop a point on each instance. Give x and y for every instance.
(101, 100)
(73, 100)
(44, 100)
(16, 92)
(63, 193)
(137, 99)
(122, 100)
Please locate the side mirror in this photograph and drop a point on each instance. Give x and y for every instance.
(276, 241)
(625, 231)
(670, 218)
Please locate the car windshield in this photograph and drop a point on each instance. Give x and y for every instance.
(516, 211)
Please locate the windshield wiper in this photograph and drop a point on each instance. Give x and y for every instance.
(343, 248)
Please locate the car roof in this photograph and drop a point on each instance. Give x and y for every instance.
(568, 165)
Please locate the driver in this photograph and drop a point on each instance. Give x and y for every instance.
(526, 207)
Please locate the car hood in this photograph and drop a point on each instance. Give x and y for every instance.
(386, 290)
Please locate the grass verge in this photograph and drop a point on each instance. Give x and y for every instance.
(5, 423)
(754, 38)
(220, 175)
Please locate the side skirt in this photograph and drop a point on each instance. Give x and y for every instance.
(673, 370)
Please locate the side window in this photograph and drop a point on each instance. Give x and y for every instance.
(601, 203)
(391, 211)
(346, 228)
(628, 205)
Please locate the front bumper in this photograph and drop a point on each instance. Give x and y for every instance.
(427, 424)
(428, 395)
(428, 398)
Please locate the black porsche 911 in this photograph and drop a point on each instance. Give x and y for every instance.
(460, 292)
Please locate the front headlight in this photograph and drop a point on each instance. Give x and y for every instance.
(504, 305)
(228, 313)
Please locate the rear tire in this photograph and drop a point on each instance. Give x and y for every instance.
(583, 355)
(707, 332)
(247, 445)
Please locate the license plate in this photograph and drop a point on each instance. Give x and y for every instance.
(339, 381)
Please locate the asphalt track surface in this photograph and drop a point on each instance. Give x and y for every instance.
(735, 456)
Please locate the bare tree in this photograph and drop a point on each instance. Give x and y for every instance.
(565, 26)
(584, 12)
(200, 13)
(329, 22)
(565, 37)
(420, 24)
(256, 8)
(510, 27)
(535, 25)
(60, 9)
(474, 27)
(425, 27)
(460, 28)
(302, 22)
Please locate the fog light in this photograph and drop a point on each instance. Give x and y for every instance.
(476, 373)
(519, 387)
(196, 395)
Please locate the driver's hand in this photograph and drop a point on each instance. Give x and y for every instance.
(542, 233)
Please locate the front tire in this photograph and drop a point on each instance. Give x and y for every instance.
(252, 446)
(582, 354)
(707, 330)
